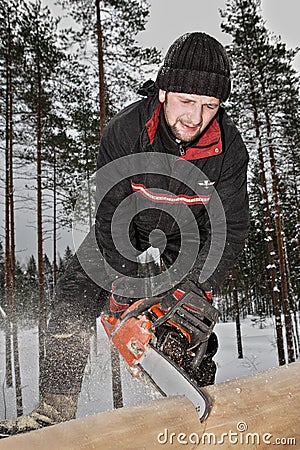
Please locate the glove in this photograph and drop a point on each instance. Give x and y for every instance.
(119, 303)
(196, 315)
(168, 299)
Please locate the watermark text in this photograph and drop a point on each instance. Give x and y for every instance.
(239, 437)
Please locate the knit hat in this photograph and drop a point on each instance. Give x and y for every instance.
(196, 63)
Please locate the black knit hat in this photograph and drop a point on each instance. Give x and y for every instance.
(196, 63)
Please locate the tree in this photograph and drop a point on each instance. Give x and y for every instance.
(2, 270)
(237, 314)
(31, 272)
(9, 50)
(68, 255)
(42, 59)
(29, 289)
(262, 68)
(109, 28)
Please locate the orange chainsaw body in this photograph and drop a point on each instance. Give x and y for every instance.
(133, 336)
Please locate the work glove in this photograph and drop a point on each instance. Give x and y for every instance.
(119, 303)
(168, 299)
(194, 313)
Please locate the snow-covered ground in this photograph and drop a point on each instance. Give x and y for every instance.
(259, 348)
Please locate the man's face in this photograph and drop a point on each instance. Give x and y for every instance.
(188, 114)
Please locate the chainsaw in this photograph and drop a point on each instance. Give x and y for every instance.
(164, 347)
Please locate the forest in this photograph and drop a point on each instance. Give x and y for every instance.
(60, 85)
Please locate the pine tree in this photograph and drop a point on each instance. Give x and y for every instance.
(237, 314)
(27, 289)
(125, 63)
(9, 51)
(42, 58)
(76, 154)
(257, 59)
(31, 272)
(61, 266)
(47, 267)
(2, 272)
(68, 255)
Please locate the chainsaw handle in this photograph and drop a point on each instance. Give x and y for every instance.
(135, 311)
(195, 315)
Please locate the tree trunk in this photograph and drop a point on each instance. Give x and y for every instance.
(101, 69)
(281, 254)
(237, 314)
(115, 360)
(54, 220)
(7, 222)
(296, 195)
(42, 305)
(17, 372)
(88, 178)
(11, 247)
(267, 218)
(268, 230)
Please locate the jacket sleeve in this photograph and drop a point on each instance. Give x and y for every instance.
(228, 221)
(114, 209)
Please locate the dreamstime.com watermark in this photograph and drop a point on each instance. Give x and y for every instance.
(239, 437)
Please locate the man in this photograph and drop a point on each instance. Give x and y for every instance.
(178, 130)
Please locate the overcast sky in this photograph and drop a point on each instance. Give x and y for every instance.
(171, 18)
(168, 20)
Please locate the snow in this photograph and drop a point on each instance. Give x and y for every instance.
(259, 348)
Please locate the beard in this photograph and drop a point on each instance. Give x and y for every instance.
(185, 135)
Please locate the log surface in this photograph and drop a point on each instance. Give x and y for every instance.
(247, 413)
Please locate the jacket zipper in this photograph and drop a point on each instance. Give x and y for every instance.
(182, 150)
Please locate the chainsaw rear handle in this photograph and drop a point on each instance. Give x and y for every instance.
(194, 314)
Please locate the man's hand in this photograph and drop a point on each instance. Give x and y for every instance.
(123, 294)
(168, 299)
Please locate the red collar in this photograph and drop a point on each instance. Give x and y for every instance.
(152, 123)
(209, 144)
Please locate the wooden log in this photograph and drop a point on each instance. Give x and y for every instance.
(249, 413)
(125, 428)
(266, 403)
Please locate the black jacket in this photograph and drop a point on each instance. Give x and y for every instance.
(185, 200)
